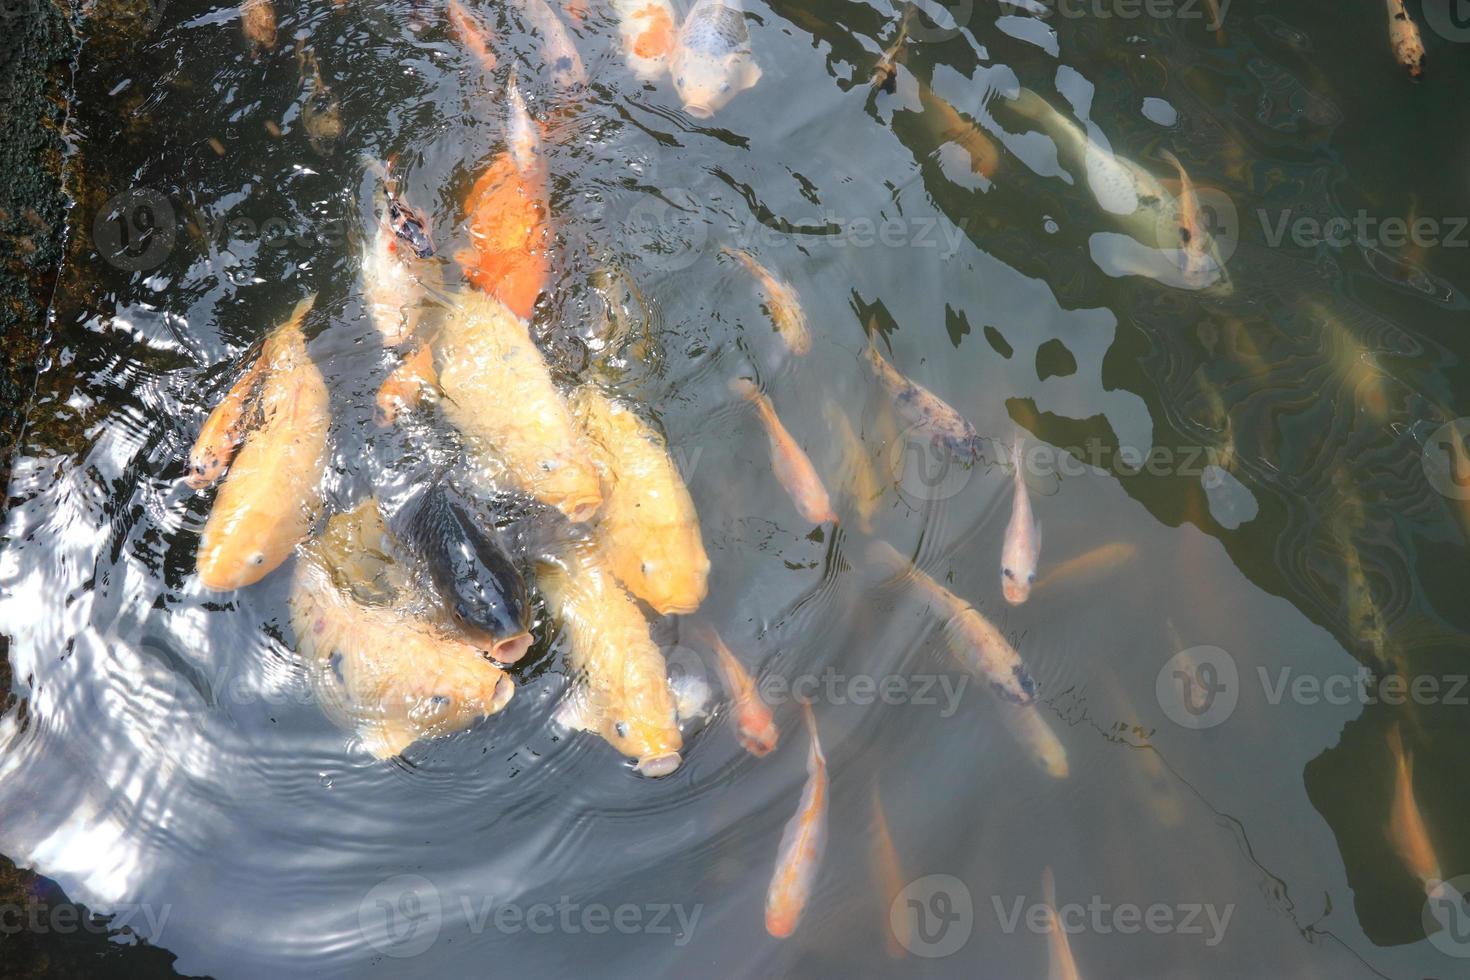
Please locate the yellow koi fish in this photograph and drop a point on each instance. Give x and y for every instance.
(1100, 559)
(1406, 830)
(498, 390)
(225, 428)
(271, 497)
(648, 528)
(782, 303)
(859, 480)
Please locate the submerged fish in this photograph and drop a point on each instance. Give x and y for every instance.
(1403, 34)
(858, 477)
(623, 693)
(1099, 559)
(271, 497)
(755, 728)
(782, 303)
(1406, 830)
(391, 287)
(258, 22)
(648, 528)
(649, 30)
(1063, 965)
(407, 385)
(975, 640)
(473, 34)
(457, 544)
(884, 76)
(379, 669)
(791, 465)
(567, 71)
(712, 61)
(923, 411)
(802, 844)
(890, 881)
(1200, 260)
(1022, 541)
(321, 113)
(499, 391)
(948, 126)
(510, 234)
(1030, 728)
(226, 427)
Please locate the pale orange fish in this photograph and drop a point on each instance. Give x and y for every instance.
(792, 467)
(271, 497)
(408, 385)
(1406, 830)
(1199, 254)
(498, 391)
(885, 73)
(1063, 965)
(623, 693)
(1370, 384)
(576, 10)
(975, 640)
(802, 844)
(649, 31)
(1031, 729)
(951, 127)
(922, 411)
(391, 290)
(755, 728)
(567, 70)
(782, 303)
(379, 668)
(890, 878)
(1100, 559)
(858, 478)
(258, 22)
(1403, 34)
(522, 134)
(648, 528)
(473, 34)
(225, 428)
(1022, 542)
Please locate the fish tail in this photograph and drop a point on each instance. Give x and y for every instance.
(746, 389)
(1048, 887)
(1402, 758)
(817, 758)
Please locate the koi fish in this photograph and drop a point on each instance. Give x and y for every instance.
(225, 428)
(391, 288)
(1063, 965)
(921, 409)
(567, 70)
(1022, 541)
(649, 529)
(498, 390)
(510, 234)
(755, 728)
(973, 639)
(270, 499)
(624, 693)
(950, 127)
(466, 561)
(649, 29)
(321, 113)
(884, 76)
(711, 61)
(858, 477)
(802, 844)
(1406, 830)
(1030, 728)
(380, 670)
(782, 303)
(1199, 253)
(1100, 559)
(407, 386)
(792, 467)
(258, 23)
(1403, 34)
(473, 34)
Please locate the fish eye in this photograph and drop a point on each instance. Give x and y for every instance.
(460, 612)
(1031, 578)
(1008, 573)
(621, 728)
(335, 662)
(724, 86)
(439, 700)
(258, 558)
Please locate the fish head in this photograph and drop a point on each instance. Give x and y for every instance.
(412, 228)
(1019, 687)
(756, 729)
(707, 83)
(233, 557)
(1015, 584)
(654, 741)
(670, 570)
(571, 485)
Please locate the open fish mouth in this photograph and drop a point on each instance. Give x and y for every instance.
(509, 650)
(698, 111)
(659, 765)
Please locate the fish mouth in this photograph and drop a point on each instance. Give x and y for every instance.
(578, 511)
(698, 111)
(1015, 595)
(511, 649)
(659, 765)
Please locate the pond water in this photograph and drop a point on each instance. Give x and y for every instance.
(1263, 456)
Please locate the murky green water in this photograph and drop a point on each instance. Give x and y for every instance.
(1296, 522)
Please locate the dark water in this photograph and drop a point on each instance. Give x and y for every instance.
(164, 758)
